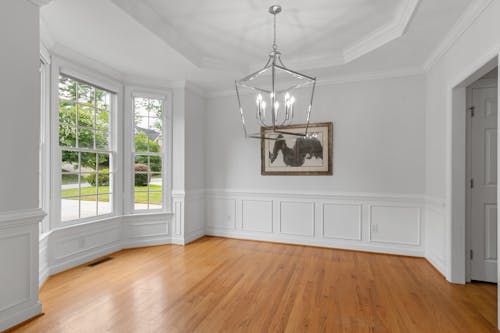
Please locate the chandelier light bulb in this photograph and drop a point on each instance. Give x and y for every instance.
(259, 99)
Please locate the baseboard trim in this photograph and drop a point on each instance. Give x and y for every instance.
(43, 276)
(84, 258)
(21, 316)
(437, 264)
(194, 235)
(363, 247)
(153, 241)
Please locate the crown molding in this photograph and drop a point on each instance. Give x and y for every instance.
(471, 13)
(383, 35)
(336, 80)
(40, 3)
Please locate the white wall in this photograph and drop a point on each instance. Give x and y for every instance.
(195, 134)
(477, 44)
(378, 141)
(373, 201)
(19, 104)
(19, 139)
(195, 165)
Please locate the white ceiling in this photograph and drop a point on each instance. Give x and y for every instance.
(214, 42)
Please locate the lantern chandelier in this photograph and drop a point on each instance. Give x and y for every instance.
(273, 94)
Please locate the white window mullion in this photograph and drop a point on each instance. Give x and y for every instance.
(84, 197)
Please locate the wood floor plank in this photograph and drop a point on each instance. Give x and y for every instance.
(227, 285)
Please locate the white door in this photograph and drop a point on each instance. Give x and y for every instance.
(483, 184)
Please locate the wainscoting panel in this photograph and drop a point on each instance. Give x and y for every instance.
(221, 213)
(257, 215)
(330, 220)
(16, 274)
(147, 229)
(75, 245)
(19, 275)
(395, 224)
(297, 218)
(342, 221)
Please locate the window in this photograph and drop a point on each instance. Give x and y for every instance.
(86, 149)
(148, 153)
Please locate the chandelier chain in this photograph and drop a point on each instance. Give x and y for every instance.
(275, 47)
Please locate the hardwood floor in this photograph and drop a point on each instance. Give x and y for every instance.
(227, 285)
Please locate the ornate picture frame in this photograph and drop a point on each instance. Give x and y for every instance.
(291, 155)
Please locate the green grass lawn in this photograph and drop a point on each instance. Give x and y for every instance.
(90, 194)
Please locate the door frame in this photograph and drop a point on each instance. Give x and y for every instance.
(480, 84)
(456, 102)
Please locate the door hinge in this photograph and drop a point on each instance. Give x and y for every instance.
(472, 111)
(471, 254)
(471, 183)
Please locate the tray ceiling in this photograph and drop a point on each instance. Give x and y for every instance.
(210, 43)
(311, 34)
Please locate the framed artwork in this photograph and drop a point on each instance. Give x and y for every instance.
(291, 155)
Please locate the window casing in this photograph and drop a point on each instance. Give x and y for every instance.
(148, 153)
(86, 156)
(43, 149)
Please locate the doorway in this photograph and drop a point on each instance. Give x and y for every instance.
(481, 174)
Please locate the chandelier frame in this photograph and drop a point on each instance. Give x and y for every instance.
(274, 64)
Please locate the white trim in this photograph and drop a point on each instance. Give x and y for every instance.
(83, 258)
(166, 96)
(329, 243)
(384, 34)
(437, 263)
(40, 3)
(318, 201)
(414, 198)
(455, 167)
(91, 76)
(473, 11)
(28, 311)
(8, 218)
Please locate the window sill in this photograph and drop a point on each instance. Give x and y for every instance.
(146, 213)
(73, 224)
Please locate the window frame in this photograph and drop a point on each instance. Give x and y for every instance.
(44, 180)
(132, 92)
(63, 67)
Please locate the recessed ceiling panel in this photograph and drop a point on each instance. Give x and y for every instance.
(238, 33)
